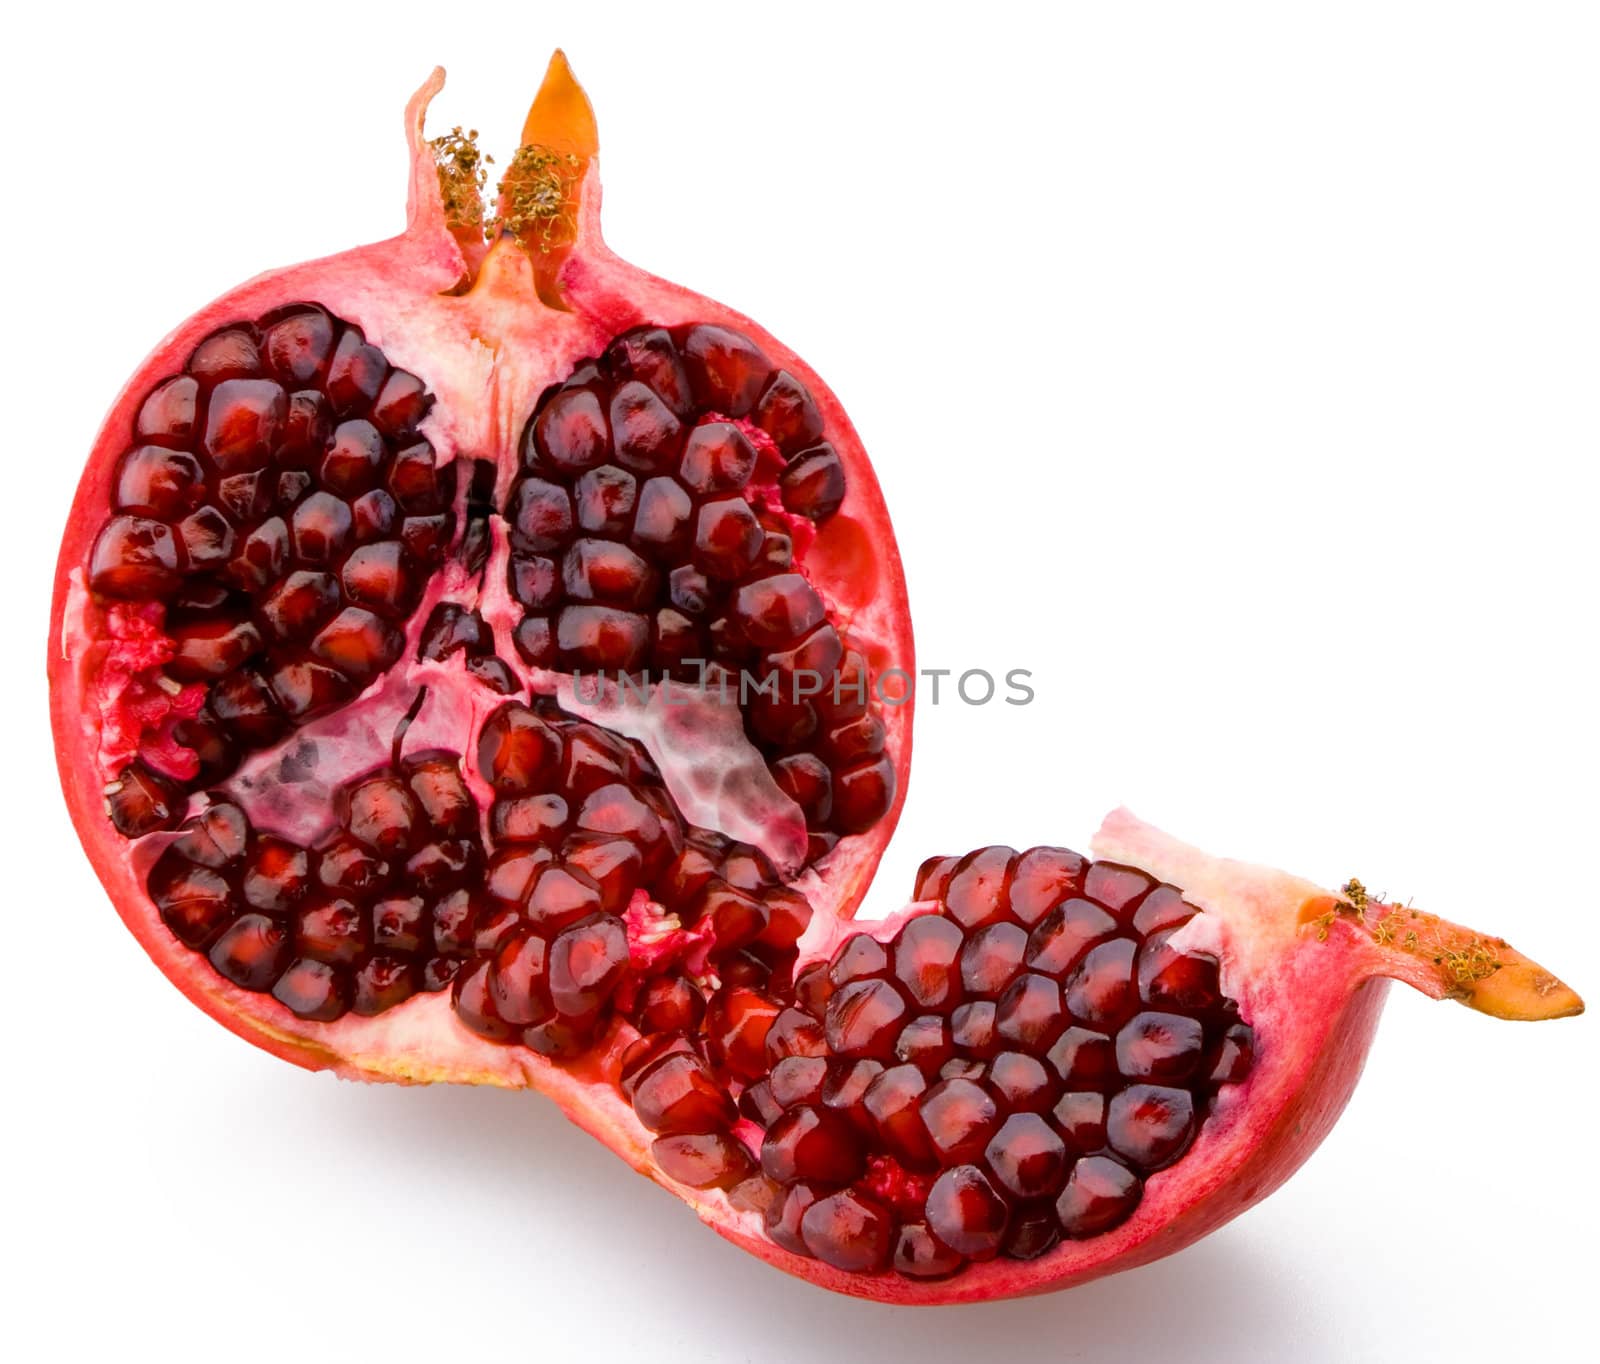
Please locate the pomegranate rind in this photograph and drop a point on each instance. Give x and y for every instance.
(486, 353)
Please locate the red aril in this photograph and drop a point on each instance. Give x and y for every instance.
(338, 560)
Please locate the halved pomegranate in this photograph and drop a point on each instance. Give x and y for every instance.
(344, 565)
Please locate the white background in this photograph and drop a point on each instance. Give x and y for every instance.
(1232, 367)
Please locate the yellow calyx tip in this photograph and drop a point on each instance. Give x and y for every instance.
(561, 118)
(1522, 991)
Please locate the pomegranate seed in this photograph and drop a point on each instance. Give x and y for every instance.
(925, 1042)
(976, 894)
(1030, 1013)
(298, 346)
(788, 916)
(1234, 1055)
(454, 918)
(814, 483)
(518, 986)
(1081, 1118)
(383, 815)
(727, 539)
(586, 962)
(972, 1028)
(381, 983)
(1177, 980)
(541, 515)
(797, 1080)
(933, 876)
(1159, 1046)
(306, 689)
(991, 958)
(243, 419)
(858, 956)
(440, 789)
(134, 557)
(470, 998)
(518, 753)
(784, 1218)
(919, 1254)
(1100, 989)
(195, 902)
(400, 925)
(217, 837)
(313, 990)
(252, 952)
(647, 434)
(300, 603)
(379, 577)
(1022, 1082)
(795, 1033)
(354, 458)
(848, 1231)
(332, 931)
(1151, 1125)
(925, 953)
(229, 353)
(415, 483)
(1119, 889)
(814, 1144)
(167, 416)
(320, 528)
(862, 794)
(159, 483)
(735, 916)
(806, 780)
(276, 877)
(570, 432)
(893, 1102)
(1082, 1058)
(678, 1094)
(561, 896)
(1027, 1158)
(347, 867)
(604, 499)
(1042, 879)
(863, 1019)
(961, 1117)
(757, 1103)
(601, 638)
(402, 402)
(1065, 933)
(563, 1039)
(725, 369)
(966, 1213)
(1100, 1194)
(846, 1087)
(613, 864)
(787, 413)
(738, 1020)
(1164, 907)
(1031, 1234)
(702, 1160)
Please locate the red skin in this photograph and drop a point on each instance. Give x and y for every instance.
(1309, 982)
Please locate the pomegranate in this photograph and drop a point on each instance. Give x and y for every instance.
(466, 662)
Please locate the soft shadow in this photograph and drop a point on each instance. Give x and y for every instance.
(508, 1169)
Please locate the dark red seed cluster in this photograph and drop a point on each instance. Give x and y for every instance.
(580, 824)
(651, 531)
(277, 500)
(1001, 1074)
(387, 906)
